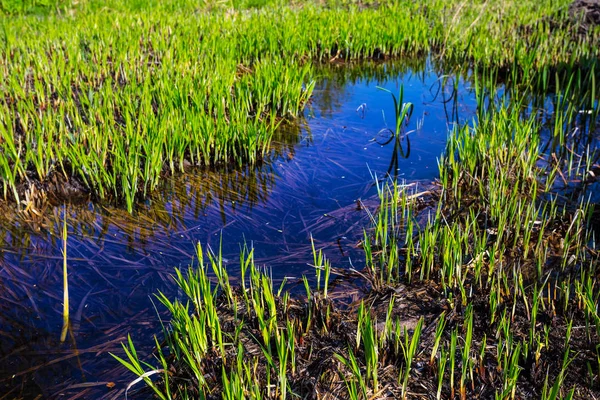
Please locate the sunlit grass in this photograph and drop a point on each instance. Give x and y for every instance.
(507, 254)
(117, 95)
(508, 260)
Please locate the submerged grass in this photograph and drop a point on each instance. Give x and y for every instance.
(106, 98)
(65, 327)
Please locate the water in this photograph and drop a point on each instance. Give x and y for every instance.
(319, 182)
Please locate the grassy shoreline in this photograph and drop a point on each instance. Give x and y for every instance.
(484, 288)
(103, 101)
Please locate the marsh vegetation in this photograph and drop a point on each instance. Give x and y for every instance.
(481, 283)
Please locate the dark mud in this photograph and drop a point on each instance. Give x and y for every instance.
(585, 14)
(325, 327)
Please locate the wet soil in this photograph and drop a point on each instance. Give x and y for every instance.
(585, 14)
(326, 328)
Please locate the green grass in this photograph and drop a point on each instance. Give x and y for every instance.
(117, 94)
(503, 233)
(508, 257)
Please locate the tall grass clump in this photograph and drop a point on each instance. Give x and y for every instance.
(222, 339)
(499, 237)
(104, 99)
(252, 341)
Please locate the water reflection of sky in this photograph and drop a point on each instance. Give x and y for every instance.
(319, 170)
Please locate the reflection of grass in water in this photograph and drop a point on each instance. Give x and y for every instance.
(403, 112)
(180, 201)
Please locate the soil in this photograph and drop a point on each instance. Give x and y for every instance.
(332, 330)
(586, 14)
